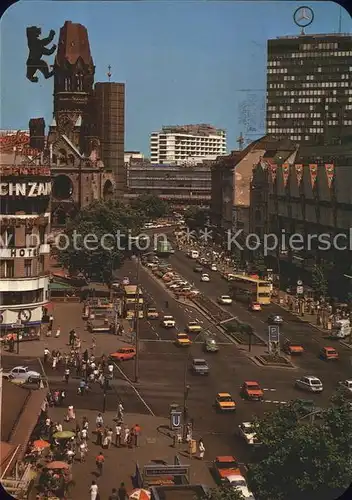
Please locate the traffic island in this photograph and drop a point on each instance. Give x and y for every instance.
(215, 312)
(274, 361)
(241, 332)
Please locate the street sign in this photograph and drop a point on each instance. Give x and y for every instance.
(165, 470)
(299, 290)
(274, 333)
(175, 419)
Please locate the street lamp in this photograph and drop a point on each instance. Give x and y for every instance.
(186, 389)
(136, 324)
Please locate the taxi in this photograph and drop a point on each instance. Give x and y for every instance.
(225, 466)
(152, 313)
(183, 340)
(224, 402)
(255, 306)
(251, 390)
(123, 354)
(193, 327)
(328, 354)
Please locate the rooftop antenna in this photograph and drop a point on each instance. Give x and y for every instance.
(240, 141)
(109, 73)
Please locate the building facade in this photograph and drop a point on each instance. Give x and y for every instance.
(222, 193)
(309, 90)
(309, 197)
(176, 144)
(177, 184)
(25, 191)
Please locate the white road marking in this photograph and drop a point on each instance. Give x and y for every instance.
(269, 389)
(135, 390)
(44, 373)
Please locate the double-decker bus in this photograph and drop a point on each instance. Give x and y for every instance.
(133, 301)
(250, 289)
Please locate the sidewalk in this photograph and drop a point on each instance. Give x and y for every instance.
(282, 301)
(120, 464)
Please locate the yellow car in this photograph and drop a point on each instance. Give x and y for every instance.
(152, 313)
(193, 327)
(183, 340)
(225, 402)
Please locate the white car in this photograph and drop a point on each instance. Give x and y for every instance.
(225, 300)
(239, 483)
(168, 322)
(247, 432)
(214, 267)
(205, 277)
(309, 383)
(346, 386)
(22, 373)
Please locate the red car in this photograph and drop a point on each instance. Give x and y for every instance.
(123, 354)
(225, 466)
(251, 390)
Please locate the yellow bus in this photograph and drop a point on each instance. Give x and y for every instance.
(250, 289)
(132, 301)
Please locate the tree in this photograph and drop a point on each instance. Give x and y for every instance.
(223, 493)
(196, 218)
(319, 281)
(303, 459)
(151, 206)
(98, 239)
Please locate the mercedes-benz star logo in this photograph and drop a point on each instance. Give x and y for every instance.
(303, 16)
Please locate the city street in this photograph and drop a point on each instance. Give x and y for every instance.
(293, 328)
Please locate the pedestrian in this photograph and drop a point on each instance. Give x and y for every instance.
(136, 433)
(99, 420)
(82, 451)
(114, 495)
(120, 411)
(70, 414)
(126, 437)
(46, 355)
(85, 423)
(118, 430)
(58, 333)
(99, 432)
(54, 362)
(109, 435)
(67, 375)
(100, 462)
(201, 449)
(111, 370)
(105, 440)
(84, 435)
(93, 491)
(122, 492)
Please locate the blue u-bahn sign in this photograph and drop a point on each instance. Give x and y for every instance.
(175, 419)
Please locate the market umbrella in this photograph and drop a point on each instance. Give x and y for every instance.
(140, 494)
(57, 465)
(64, 435)
(40, 444)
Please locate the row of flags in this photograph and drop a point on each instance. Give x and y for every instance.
(313, 171)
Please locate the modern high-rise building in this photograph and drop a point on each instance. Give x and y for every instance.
(177, 144)
(309, 88)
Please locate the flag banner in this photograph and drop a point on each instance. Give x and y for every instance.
(330, 172)
(285, 172)
(299, 173)
(313, 170)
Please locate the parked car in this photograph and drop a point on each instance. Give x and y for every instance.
(238, 483)
(224, 466)
(247, 432)
(198, 269)
(214, 267)
(205, 277)
(22, 373)
(309, 383)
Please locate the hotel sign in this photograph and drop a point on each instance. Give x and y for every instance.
(28, 222)
(15, 253)
(25, 189)
(21, 170)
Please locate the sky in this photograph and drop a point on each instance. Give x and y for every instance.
(181, 61)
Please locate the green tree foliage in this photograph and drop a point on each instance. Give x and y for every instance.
(302, 458)
(195, 217)
(320, 282)
(223, 493)
(89, 248)
(152, 207)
